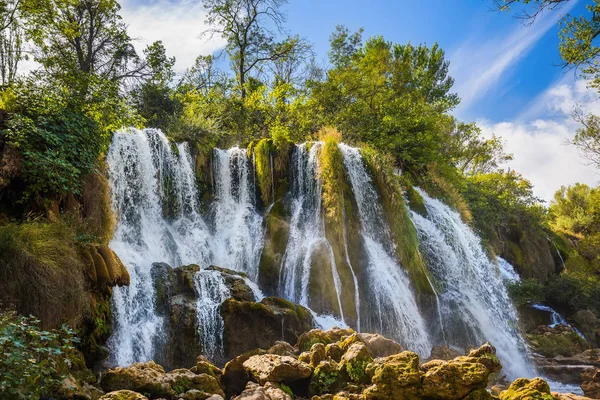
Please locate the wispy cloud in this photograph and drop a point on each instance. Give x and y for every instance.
(539, 138)
(479, 65)
(178, 23)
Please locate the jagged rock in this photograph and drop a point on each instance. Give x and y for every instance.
(431, 364)
(569, 369)
(139, 377)
(591, 383)
(73, 388)
(269, 391)
(180, 379)
(317, 354)
(282, 348)
(557, 340)
(443, 352)
(568, 396)
(334, 351)
(486, 355)
(394, 377)
(326, 378)
(306, 340)
(354, 362)
(274, 368)
(525, 389)
(379, 346)
(235, 375)
(203, 366)
(453, 380)
(123, 395)
(250, 325)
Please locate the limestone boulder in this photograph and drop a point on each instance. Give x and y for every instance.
(380, 346)
(443, 352)
(273, 368)
(270, 391)
(139, 377)
(123, 395)
(394, 377)
(453, 380)
(354, 362)
(526, 389)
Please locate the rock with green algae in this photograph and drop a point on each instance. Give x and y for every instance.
(123, 395)
(394, 377)
(183, 380)
(453, 380)
(203, 366)
(527, 389)
(282, 348)
(317, 354)
(306, 340)
(273, 368)
(479, 394)
(326, 378)
(354, 362)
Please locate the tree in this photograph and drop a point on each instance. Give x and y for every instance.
(202, 76)
(11, 52)
(295, 67)
(576, 210)
(587, 138)
(82, 43)
(344, 45)
(245, 26)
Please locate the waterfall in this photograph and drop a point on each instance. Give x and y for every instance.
(474, 300)
(237, 226)
(391, 299)
(307, 231)
(212, 291)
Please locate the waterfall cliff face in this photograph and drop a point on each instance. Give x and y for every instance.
(160, 219)
(474, 302)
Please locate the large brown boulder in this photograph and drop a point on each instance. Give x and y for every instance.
(443, 352)
(379, 346)
(250, 325)
(273, 368)
(591, 383)
(306, 340)
(354, 362)
(235, 377)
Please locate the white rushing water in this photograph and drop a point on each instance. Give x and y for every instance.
(155, 198)
(307, 231)
(390, 296)
(474, 300)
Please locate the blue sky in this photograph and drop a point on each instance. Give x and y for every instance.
(505, 72)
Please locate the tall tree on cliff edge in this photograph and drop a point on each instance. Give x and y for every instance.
(579, 49)
(250, 28)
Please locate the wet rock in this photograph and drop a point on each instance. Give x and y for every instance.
(525, 389)
(379, 346)
(394, 377)
(453, 380)
(274, 368)
(250, 325)
(123, 395)
(236, 283)
(443, 353)
(354, 362)
(270, 391)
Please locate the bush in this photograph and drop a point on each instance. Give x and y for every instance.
(526, 291)
(33, 361)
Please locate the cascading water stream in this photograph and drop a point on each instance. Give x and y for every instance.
(307, 232)
(475, 303)
(390, 293)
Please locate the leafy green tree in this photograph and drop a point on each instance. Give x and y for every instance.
(576, 210)
(34, 361)
(153, 98)
(11, 53)
(245, 26)
(587, 138)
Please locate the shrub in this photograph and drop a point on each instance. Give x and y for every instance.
(33, 361)
(526, 291)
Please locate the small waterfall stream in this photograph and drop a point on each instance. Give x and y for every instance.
(474, 300)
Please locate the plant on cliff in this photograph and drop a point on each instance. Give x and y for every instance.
(34, 361)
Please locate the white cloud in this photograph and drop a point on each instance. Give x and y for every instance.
(177, 23)
(478, 65)
(539, 138)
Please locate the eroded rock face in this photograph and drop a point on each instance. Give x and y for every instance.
(591, 383)
(453, 380)
(250, 325)
(273, 368)
(380, 346)
(123, 395)
(394, 377)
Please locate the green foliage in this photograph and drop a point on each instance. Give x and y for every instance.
(331, 173)
(34, 361)
(566, 344)
(262, 157)
(526, 291)
(59, 145)
(287, 390)
(575, 210)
